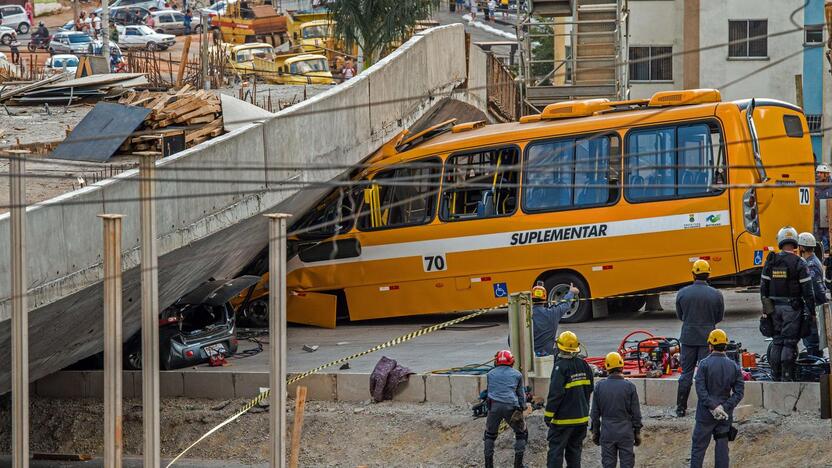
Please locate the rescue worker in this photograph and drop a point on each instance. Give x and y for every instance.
(567, 406)
(616, 416)
(546, 317)
(506, 402)
(806, 244)
(787, 297)
(719, 387)
(700, 307)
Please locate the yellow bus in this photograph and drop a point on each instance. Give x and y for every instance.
(613, 197)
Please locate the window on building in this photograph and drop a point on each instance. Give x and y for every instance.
(651, 63)
(673, 162)
(748, 38)
(404, 196)
(571, 173)
(815, 122)
(481, 184)
(813, 34)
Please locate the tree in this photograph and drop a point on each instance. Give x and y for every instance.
(373, 24)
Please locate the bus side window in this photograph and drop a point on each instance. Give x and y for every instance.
(402, 196)
(679, 161)
(482, 184)
(572, 173)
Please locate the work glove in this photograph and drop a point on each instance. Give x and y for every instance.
(596, 437)
(719, 413)
(637, 435)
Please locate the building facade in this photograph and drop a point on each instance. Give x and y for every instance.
(744, 48)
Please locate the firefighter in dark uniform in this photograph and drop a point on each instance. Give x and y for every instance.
(719, 389)
(788, 298)
(506, 402)
(806, 245)
(567, 406)
(700, 307)
(616, 416)
(546, 317)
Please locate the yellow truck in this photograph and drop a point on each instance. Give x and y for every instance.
(247, 21)
(296, 69)
(241, 57)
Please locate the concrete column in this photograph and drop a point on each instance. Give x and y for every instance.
(113, 443)
(559, 43)
(690, 59)
(20, 311)
(277, 337)
(150, 310)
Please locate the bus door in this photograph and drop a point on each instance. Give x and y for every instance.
(675, 186)
(786, 165)
(394, 231)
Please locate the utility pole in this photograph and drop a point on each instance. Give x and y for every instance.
(105, 31)
(203, 47)
(150, 309)
(277, 337)
(20, 311)
(113, 443)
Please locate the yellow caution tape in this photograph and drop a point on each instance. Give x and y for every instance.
(395, 341)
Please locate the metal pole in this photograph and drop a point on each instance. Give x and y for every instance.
(203, 47)
(277, 337)
(105, 31)
(150, 310)
(20, 311)
(112, 340)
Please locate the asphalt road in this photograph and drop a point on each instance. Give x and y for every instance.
(476, 340)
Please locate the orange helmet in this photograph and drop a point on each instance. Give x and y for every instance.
(504, 358)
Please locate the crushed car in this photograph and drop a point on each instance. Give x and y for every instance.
(198, 326)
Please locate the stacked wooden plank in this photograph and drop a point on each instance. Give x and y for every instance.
(197, 113)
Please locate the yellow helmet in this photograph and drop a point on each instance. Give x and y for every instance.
(717, 337)
(613, 361)
(700, 267)
(539, 292)
(568, 342)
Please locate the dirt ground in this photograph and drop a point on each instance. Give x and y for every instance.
(397, 434)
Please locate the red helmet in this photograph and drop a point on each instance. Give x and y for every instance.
(504, 358)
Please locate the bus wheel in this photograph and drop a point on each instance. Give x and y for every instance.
(626, 305)
(558, 285)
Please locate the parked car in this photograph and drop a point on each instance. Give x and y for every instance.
(70, 42)
(142, 37)
(173, 22)
(149, 5)
(217, 9)
(198, 325)
(126, 15)
(68, 26)
(61, 63)
(15, 17)
(6, 35)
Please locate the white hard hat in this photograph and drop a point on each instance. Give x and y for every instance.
(824, 168)
(786, 235)
(806, 239)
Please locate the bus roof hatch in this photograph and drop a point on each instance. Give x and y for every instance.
(686, 97)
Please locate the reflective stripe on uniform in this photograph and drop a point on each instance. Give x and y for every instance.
(548, 414)
(808, 278)
(577, 383)
(564, 422)
(765, 277)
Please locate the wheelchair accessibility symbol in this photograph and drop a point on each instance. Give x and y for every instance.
(758, 257)
(500, 290)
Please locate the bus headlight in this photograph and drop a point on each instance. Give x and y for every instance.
(750, 212)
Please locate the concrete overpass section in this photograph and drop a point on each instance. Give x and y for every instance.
(210, 197)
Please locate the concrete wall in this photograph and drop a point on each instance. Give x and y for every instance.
(460, 390)
(207, 220)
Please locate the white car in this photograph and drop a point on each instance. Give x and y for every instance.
(61, 63)
(6, 35)
(143, 37)
(14, 16)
